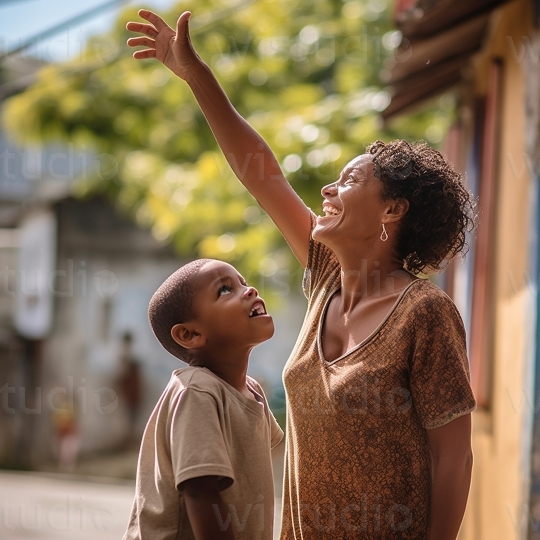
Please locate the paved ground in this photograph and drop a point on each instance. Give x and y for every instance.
(39, 506)
(52, 506)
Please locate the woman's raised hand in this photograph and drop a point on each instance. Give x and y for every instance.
(172, 48)
(249, 156)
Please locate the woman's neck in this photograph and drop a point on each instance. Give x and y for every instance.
(366, 278)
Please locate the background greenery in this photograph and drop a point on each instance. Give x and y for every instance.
(305, 73)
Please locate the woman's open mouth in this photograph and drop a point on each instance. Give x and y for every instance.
(330, 210)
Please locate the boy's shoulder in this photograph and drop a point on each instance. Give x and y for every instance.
(196, 378)
(203, 380)
(255, 385)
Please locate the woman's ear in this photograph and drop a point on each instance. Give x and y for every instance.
(187, 335)
(396, 210)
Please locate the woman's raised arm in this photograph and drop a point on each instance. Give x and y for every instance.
(246, 151)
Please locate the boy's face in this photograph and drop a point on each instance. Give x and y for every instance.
(227, 310)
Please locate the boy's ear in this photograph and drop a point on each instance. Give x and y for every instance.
(187, 336)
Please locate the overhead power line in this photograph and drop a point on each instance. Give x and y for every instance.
(198, 24)
(60, 26)
(6, 2)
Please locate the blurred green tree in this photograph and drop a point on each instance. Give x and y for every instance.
(304, 73)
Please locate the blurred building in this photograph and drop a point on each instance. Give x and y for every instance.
(76, 276)
(487, 54)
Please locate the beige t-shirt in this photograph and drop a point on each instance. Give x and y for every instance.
(202, 426)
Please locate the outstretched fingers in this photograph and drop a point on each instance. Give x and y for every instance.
(161, 41)
(182, 27)
(156, 20)
(147, 53)
(136, 41)
(143, 28)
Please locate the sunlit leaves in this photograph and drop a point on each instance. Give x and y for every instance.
(306, 76)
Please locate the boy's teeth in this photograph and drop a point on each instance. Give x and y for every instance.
(257, 310)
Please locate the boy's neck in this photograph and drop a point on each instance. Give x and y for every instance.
(231, 368)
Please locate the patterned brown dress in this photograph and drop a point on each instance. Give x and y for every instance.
(357, 460)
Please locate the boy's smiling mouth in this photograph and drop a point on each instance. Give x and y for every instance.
(257, 309)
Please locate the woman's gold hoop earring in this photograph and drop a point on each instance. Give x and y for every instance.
(384, 234)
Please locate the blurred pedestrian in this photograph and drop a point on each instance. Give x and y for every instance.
(130, 387)
(67, 433)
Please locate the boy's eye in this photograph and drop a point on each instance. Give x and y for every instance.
(224, 289)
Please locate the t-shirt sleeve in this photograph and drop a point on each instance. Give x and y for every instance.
(439, 376)
(321, 263)
(196, 438)
(276, 433)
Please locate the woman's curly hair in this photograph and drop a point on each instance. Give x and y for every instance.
(441, 211)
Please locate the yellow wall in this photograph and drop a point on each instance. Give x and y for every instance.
(500, 435)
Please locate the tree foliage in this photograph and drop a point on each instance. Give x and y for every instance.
(304, 73)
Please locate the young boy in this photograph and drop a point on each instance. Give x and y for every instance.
(205, 469)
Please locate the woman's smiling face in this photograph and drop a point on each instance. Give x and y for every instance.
(352, 206)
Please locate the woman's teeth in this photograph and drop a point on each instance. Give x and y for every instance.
(330, 211)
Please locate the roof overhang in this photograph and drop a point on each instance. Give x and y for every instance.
(429, 17)
(439, 38)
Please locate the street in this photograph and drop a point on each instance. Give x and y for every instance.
(36, 506)
(43, 506)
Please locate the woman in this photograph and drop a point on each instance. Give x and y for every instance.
(379, 401)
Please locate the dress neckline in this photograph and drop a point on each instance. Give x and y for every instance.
(369, 337)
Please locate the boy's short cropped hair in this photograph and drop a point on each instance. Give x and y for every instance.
(172, 304)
